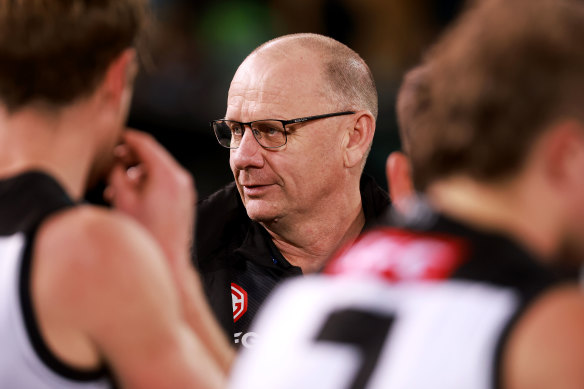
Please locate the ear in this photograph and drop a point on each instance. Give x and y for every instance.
(399, 180)
(358, 139)
(118, 80)
(563, 151)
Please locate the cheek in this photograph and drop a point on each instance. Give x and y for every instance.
(310, 173)
(327, 156)
(108, 143)
(307, 164)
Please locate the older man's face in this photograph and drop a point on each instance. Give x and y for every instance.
(294, 180)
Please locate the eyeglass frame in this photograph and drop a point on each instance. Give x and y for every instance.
(284, 124)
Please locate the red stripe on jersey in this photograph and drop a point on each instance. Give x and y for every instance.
(398, 255)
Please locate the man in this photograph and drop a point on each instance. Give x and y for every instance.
(90, 296)
(300, 120)
(459, 293)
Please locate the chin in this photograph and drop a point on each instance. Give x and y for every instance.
(261, 211)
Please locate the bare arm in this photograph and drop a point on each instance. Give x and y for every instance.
(546, 348)
(103, 292)
(160, 194)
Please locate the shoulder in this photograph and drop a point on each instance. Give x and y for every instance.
(88, 245)
(92, 231)
(546, 348)
(87, 261)
(222, 223)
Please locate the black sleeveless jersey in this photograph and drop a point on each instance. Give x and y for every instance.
(427, 305)
(26, 361)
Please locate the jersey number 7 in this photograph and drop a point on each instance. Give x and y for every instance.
(366, 331)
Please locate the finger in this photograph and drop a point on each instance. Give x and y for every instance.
(148, 151)
(136, 174)
(120, 187)
(125, 156)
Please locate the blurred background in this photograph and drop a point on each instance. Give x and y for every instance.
(200, 44)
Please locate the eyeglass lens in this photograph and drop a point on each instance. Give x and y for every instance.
(268, 133)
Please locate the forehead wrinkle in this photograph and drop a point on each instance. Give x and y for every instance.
(257, 104)
(266, 87)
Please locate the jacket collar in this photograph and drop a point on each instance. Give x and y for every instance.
(258, 246)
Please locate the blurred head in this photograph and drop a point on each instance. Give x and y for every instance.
(55, 53)
(507, 92)
(412, 108)
(505, 73)
(292, 77)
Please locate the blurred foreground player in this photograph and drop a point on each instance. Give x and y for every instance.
(85, 291)
(459, 295)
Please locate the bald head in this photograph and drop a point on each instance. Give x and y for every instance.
(288, 80)
(347, 80)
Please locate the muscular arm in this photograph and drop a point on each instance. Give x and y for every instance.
(546, 348)
(202, 320)
(160, 195)
(103, 292)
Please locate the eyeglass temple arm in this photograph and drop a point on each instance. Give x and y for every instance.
(326, 115)
(292, 121)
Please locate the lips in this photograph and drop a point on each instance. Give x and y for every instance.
(255, 190)
(253, 185)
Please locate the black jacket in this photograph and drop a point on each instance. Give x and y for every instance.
(236, 255)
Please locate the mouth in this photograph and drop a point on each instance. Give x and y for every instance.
(255, 190)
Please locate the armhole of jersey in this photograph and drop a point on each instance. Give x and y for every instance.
(504, 340)
(34, 334)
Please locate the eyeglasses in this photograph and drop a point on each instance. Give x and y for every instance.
(269, 133)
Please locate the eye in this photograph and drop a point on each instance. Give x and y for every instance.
(236, 128)
(270, 128)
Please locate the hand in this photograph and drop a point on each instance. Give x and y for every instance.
(147, 184)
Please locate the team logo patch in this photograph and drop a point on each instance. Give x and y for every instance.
(400, 255)
(239, 301)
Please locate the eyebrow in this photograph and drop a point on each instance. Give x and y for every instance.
(273, 117)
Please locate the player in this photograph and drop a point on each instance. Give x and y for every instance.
(459, 294)
(90, 297)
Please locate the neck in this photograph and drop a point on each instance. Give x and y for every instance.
(32, 139)
(308, 243)
(508, 208)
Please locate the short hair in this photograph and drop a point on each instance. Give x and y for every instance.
(56, 51)
(413, 100)
(504, 73)
(346, 73)
(412, 108)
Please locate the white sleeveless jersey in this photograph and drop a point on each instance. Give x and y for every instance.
(335, 333)
(25, 360)
(400, 309)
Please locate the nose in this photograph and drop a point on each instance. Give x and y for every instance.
(248, 154)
